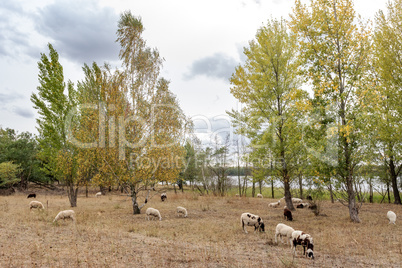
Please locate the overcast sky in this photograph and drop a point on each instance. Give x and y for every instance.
(201, 42)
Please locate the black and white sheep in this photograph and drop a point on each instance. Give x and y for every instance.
(182, 210)
(275, 204)
(65, 214)
(153, 212)
(391, 217)
(36, 204)
(303, 205)
(248, 219)
(305, 240)
(163, 197)
(283, 230)
(32, 195)
(287, 214)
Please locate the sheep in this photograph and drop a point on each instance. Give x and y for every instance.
(275, 204)
(259, 196)
(283, 230)
(287, 214)
(65, 214)
(33, 195)
(303, 205)
(98, 194)
(237, 195)
(309, 198)
(182, 210)
(163, 197)
(296, 200)
(248, 219)
(36, 204)
(305, 240)
(391, 217)
(153, 212)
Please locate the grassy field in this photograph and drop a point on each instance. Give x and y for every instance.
(108, 235)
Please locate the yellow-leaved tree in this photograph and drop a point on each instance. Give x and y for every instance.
(335, 51)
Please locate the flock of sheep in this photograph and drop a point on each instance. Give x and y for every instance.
(295, 237)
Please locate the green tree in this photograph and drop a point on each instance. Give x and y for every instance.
(335, 54)
(267, 85)
(387, 117)
(9, 174)
(54, 101)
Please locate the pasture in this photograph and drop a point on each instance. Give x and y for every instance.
(108, 235)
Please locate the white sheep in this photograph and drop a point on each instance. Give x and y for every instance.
(296, 200)
(98, 194)
(305, 240)
(282, 230)
(390, 215)
(237, 195)
(259, 195)
(248, 219)
(275, 204)
(65, 214)
(182, 210)
(153, 212)
(36, 204)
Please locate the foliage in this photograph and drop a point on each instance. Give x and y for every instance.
(9, 174)
(267, 85)
(335, 52)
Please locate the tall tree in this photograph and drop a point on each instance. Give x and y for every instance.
(387, 119)
(334, 53)
(54, 101)
(267, 85)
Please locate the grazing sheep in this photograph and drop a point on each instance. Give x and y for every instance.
(153, 212)
(98, 194)
(287, 214)
(259, 196)
(309, 198)
(305, 240)
(275, 204)
(65, 214)
(303, 205)
(296, 200)
(33, 195)
(36, 204)
(283, 230)
(237, 195)
(248, 219)
(182, 210)
(163, 197)
(391, 217)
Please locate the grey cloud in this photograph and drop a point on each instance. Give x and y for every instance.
(82, 30)
(9, 98)
(219, 66)
(24, 112)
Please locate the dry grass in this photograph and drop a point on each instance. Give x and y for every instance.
(108, 235)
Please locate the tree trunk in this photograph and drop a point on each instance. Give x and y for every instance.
(86, 191)
(136, 208)
(253, 189)
(288, 195)
(394, 181)
(389, 196)
(371, 198)
(272, 188)
(72, 195)
(301, 185)
(353, 210)
(260, 186)
(331, 193)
